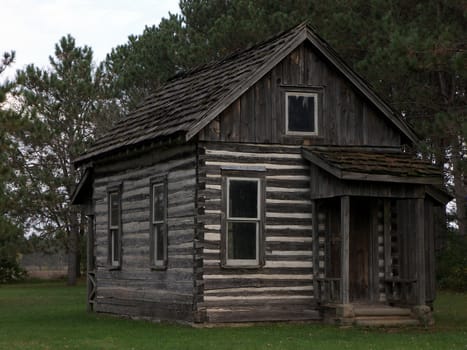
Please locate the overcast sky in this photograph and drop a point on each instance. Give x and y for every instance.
(33, 27)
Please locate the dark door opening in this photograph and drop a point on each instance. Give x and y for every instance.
(359, 246)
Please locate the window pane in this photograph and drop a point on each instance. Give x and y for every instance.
(114, 209)
(115, 246)
(301, 113)
(243, 199)
(159, 242)
(158, 203)
(242, 240)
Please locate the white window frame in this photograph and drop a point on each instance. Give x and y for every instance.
(257, 220)
(156, 262)
(114, 230)
(315, 95)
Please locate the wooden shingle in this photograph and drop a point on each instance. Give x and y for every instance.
(371, 165)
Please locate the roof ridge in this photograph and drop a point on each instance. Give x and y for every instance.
(233, 54)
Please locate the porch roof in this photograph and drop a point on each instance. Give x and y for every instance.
(371, 164)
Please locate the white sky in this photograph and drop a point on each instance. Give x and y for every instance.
(33, 27)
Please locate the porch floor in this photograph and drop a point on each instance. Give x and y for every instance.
(370, 315)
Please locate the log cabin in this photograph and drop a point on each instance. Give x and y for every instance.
(271, 185)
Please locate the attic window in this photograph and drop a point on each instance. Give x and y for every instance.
(301, 113)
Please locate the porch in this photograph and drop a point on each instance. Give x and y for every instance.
(373, 236)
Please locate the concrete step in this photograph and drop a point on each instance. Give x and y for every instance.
(381, 311)
(385, 321)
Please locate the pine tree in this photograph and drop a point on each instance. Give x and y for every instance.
(11, 234)
(59, 110)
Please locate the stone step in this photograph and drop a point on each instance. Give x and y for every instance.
(386, 321)
(381, 311)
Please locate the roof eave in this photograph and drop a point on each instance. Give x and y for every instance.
(144, 143)
(361, 176)
(420, 180)
(81, 192)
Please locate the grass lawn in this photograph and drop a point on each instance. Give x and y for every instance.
(52, 316)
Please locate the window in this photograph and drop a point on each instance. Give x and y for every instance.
(158, 249)
(114, 220)
(242, 227)
(301, 113)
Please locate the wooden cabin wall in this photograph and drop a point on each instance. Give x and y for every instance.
(135, 289)
(258, 116)
(282, 289)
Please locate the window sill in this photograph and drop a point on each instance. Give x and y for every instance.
(158, 267)
(114, 268)
(239, 267)
(300, 140)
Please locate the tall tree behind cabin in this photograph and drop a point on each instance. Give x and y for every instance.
(11, 234)
(60, 110)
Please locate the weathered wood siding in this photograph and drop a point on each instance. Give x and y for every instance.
(434, 220)
(282, 289)
(258, 116)
(135, 289)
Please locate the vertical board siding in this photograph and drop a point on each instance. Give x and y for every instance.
(285, 282)
(258, 116)
(135, 289)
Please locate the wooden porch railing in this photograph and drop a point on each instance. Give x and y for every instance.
(399, 290)
(329, 290)
(91, 289)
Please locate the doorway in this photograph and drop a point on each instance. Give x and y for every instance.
(359, 249)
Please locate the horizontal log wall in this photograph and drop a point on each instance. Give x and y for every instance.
(135, 289)
(346, 117)
(282, 289)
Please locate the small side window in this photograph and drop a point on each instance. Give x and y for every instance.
(301, 113)
(158, 241)
(115, 231)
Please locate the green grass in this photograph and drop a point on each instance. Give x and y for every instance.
(52, 316)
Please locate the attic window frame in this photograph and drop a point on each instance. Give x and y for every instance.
(317, 96)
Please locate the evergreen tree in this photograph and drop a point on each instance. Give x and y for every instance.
(11, 235)
(133, 70)
(60, 110)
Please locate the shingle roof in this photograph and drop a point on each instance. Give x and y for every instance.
(184, 99)
(373, 165)
(188, 102)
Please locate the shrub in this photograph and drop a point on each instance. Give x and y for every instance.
(452, 263)
(10, 271)
(11, 242)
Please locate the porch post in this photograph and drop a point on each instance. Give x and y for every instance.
(420, 250)
(345, 227)
(315, 242)
(90, 263)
